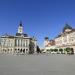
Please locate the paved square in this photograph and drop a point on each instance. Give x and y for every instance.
(37, 64)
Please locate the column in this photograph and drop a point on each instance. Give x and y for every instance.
(25, 42)
(17, 41)
(67, 39)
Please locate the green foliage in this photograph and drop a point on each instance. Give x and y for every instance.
(55, 50)
(38, 50)
(51, 50)
(61, 50)
(31, 48)
(72, 51)
(68, 49)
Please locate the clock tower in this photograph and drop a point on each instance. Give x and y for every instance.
(20, 28)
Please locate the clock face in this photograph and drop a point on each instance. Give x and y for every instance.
(20, 29)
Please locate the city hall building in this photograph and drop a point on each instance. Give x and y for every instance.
(21, 43)
(64, 40)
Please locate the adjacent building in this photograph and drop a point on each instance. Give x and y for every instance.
(19, 44)
(64, 40)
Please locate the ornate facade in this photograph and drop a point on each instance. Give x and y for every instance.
(18, 44)
(64, 40)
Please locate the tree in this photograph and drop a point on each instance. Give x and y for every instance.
(38, 50)
(72, 51)
(51, 50)
(68, 50)
(61, 50)
(55, 50)
(31, 48)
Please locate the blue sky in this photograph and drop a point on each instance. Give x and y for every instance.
(40, 18)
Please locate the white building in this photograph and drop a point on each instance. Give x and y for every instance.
(64, 40)
(20, 43)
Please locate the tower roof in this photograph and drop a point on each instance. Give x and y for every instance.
(67, 26)
(20, 23)
(46, 38)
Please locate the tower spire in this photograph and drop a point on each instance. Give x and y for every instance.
(20, 23)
